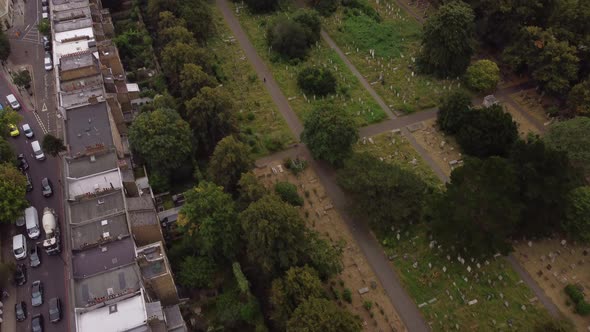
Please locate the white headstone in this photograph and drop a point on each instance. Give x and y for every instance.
(472, 302)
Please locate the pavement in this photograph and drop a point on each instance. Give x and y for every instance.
(27, 52)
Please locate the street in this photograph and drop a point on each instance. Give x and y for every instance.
(27, 51)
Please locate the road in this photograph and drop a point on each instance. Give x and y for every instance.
(27, 50)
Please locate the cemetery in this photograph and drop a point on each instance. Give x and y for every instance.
(443, 149)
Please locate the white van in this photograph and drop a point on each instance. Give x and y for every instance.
(19, 246)
(13, 102)
(39, 155)
(32, 222)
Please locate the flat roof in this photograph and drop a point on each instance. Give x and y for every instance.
(88, 126)
(60, 49)
(118, 317)
(96, 208)
(82, 96)
(143, 202)
(77, 60)
(142, 218)
(71, 14)
(77, 87)
(174, 318)
(61, 5)
(116, 283)
(106, 257)
(77, 24)
(64, 36)
(96, 231)
(94, 184)
(84, 166)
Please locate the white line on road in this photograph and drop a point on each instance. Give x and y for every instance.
(41, 124)
(44, 108)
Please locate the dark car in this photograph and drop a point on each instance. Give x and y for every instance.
(20, 310)
(29, 185)
(20, 275)
(37, 323)
(54, 310)
(35, 256)
(46, 43)
(23, 165)
(37, 293)
(47, 187)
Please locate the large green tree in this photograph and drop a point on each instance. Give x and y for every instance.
(198, 17)
(577, 221)
(163, 139)
(483, 76)
(177, 54)
(321, 315)
(330, 132)
(12, 193)
(193, 79)
(480, 208)
(316, 81)
(447, 41)
(262, 5)
(230, 159)
(6, 152)
(323, 256)
(578, 99)
(197, 272)
(293, 37)
(53, 145)
(572, 137)
(453, 111)
(250, 190)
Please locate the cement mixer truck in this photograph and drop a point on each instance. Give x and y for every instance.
(51, 244)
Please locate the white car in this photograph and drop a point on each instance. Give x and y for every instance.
(48, 62)
(28, 131)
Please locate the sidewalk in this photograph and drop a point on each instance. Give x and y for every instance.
(8, 316)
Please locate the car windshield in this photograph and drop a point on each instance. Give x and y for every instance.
(19, 251)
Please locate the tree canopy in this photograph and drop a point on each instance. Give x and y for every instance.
(577, 221)
(579, 98)
(483, 76)
(6, 152)
(197, 272)
(230, 160)
(321, 315)
(453, 111)
(12, 193)
(572, 137)
(52, 145)
(316, 81)
(292, 37)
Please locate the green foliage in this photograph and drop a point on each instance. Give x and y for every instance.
(487, 132)
(368, 305)
(162, 139)
(134, 47)
(176, 55)
(347, 295)
(296, 165)
(288, 193)
(242, 281)
(262, 5)
(193, 79)
(52, 145)
(453, 111)
(321, 315)
(250, 189)
(237, 312)
(480, 209)
(211, 219)
(579, 98)
(447, 42)
(325, 7)
(6, 152)
(362, 7)
(198, 17)
(316, 81)
(292, 38)
(12, 193)
(555, 325)
(583, 308)
(177, 34)
(330, 132)
(288, 292)
(483, 76)
(386, 194)
(574, 293)
(572, 137)
(197, 272)
(577, 221)
(22, 79)
(229, 161)
(44, 27)
(324, 257)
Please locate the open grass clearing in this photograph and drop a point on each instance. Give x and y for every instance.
(350, 94)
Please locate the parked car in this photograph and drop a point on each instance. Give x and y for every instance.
(20, 310)
(37, 293)
(13, 102)
(20, 274)
(47, 187)
(35, 256)
(19, 246)
(23, 164)
(29, 185)
(46, 43)
(48, 61)
(14, 132)
(54, 310)
(28, 131)
(37, 323)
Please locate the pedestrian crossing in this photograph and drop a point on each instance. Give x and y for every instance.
(31, 34)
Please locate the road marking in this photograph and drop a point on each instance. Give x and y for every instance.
(41, 124)
(27, 27)
(44, 108)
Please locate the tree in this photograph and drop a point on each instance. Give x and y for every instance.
(12, 193)
(230, 159)
(22, 79)
(325, 7)
(262, 5)
(579, 98)
(4, 46)
(577, 221)
(197, 272)
(386, 194)
(6, 152)
(447, 42)
(487, 132)
(316, 81)
(212, 117)
(7, 117)
(250, 190)
(324, 257)
(175, 55)
(330, 132)
(162, 138)
(167, 19)
(480, 209)
(274, 235)
(175, 34)
(52, 145)
(44, 27)
(311, 23)
(295, 287)
(572, 137)
(193, 79)
(483, 76)
(453, 111)
(321, 315)
(198, 17)
(288, 193)
(210, 218)
(289, 39)
(555, 325)
(155, 7)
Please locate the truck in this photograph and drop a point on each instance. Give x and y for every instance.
(52, 242)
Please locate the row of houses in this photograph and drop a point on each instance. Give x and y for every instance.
(120, 276)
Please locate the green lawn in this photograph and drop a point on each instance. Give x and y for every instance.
(258, 116)
(395, 41)
(350, 93)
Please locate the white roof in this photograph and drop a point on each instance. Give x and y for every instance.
(118, 317)
(132, 87)
(61, 48)
(95, 183)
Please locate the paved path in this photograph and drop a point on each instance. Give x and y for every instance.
(404, 305)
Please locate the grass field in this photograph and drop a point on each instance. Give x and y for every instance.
(350, 93)
(391, 68)
(258, 116)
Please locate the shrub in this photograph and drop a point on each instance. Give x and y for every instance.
(288, 193)
(317, 81)
(483, 76)
(574, 293)
(347, 295)
(296, 166)
(583, 308)
(368, 305)
(293, 37)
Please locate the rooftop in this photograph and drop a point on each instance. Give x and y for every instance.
(77, 60)
(61, 5)
(77, 24)
(143, 202)
(87, 127)
(89, 165)
(169, 215)
(142, 218)
(74, 87)
(118, 317)
(82, 96)
(174, 321)
(99, 231)
(71, 14)
(97, 207)
(103, 258)
(151, 260)
(94, 185)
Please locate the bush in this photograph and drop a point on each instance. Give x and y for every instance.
(483, 76)
(262, 5)
(574, 293)
(293, 37)
(288, 193)
(296, 166)
(317, 81)
(583, 308)
(347, 295)
(368, 305)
